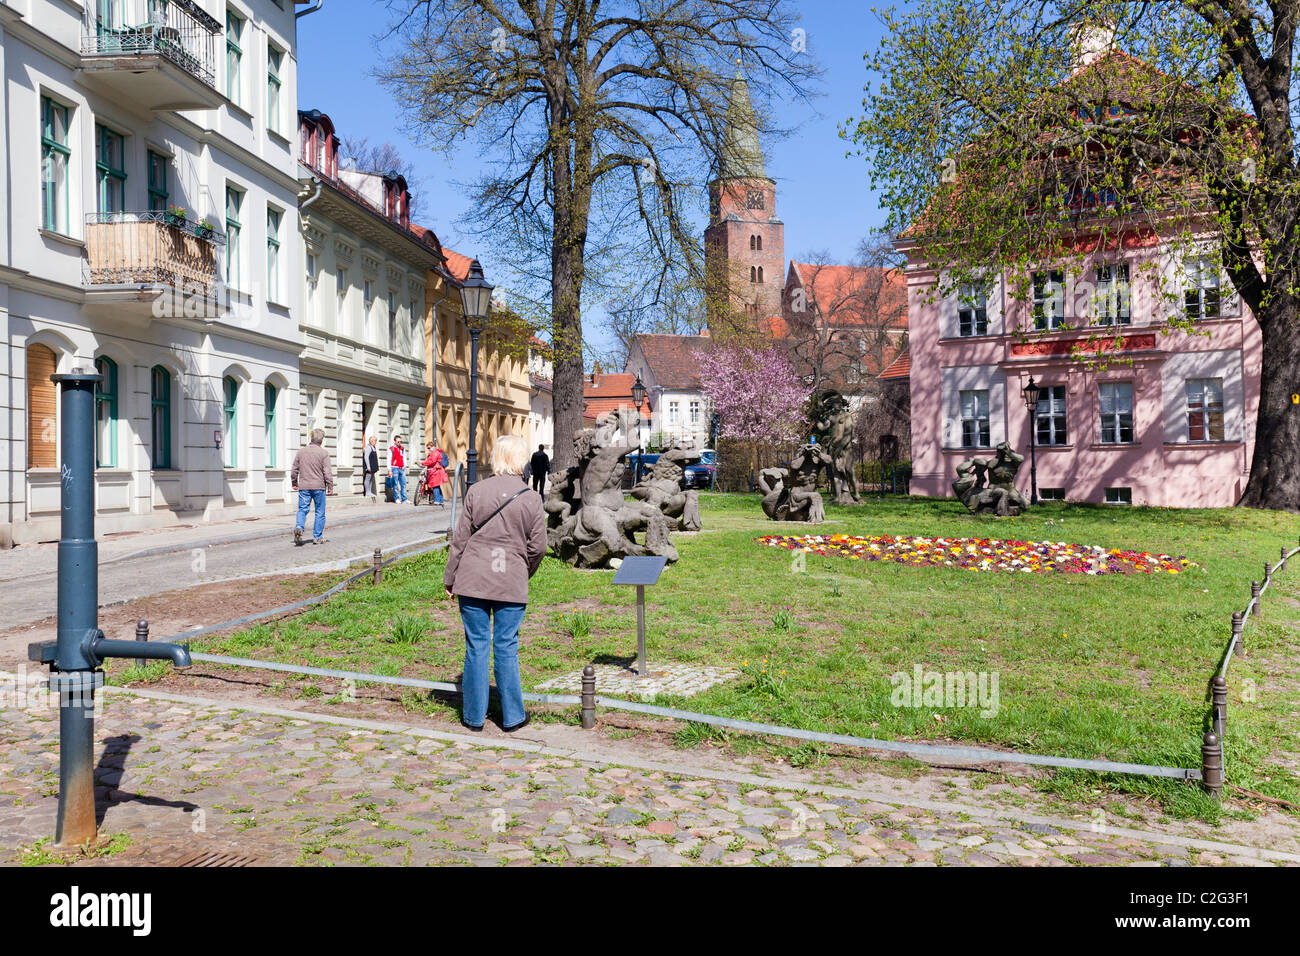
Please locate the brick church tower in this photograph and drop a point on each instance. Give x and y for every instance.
(745, 241)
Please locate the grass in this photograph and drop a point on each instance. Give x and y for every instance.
(1113, 666)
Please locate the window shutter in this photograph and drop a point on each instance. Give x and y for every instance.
(42, 408)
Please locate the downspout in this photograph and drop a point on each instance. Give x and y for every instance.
(303, 13)
(433, 355)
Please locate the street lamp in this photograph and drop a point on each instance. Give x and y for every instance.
(1031, 393)
(475, 305)
(638, 396)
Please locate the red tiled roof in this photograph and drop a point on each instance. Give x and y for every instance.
(457, 264)
(843, 293)
(672, 359)
(595, 407)
(609, 392)
(900, 368)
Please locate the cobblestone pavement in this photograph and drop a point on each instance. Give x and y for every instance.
(182, 777)
(680, 680)
(135, 568)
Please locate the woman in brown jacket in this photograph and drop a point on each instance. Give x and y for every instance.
(498, 545)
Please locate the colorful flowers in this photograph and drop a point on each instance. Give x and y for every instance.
(983, 554)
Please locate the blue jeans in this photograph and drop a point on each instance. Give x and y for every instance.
(491, 625)
(437, 494)
(398, 478)
(305, 500)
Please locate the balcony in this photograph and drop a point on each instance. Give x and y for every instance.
(158, 53)
(170, 254)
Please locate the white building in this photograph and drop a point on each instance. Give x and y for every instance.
(150, 175)
(541, 405)
(364, 271)
(669, 369)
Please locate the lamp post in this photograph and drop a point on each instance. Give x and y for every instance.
(1031, 393)
(476, 304)
(638, 396)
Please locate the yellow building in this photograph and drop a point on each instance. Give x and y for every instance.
(504, 391)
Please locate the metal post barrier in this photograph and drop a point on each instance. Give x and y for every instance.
(1212, 766)
(142, 630)
(1268, 572)
(1255, 591)
(1282, 562)
(588, 697)
(1219, 696)
(1238, 625)
(379, 565)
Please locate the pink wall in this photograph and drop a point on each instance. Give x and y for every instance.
(1161, 467)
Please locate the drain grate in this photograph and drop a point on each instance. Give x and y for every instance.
(218, 859)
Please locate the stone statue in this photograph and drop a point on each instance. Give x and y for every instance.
(588, 522)
(988, 485)
(661, 488)
(790, 491)
(833, 422)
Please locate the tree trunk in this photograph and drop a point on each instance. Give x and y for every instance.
(566, 334)
(1275, 469)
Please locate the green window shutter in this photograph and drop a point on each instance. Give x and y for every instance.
(106, 413)
(160, 396)
(269, 404)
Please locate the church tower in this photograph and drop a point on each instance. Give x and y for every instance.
(744, 241)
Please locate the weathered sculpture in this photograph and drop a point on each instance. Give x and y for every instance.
(790, 491)
(661, 489)
(988, 485)
(588, 521)
(833, 422)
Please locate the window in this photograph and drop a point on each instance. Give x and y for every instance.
(674, 413)
(1051, 494)
(54, 165)
(230, 421)
(106, 413)
(234, 199)
(417, 330)
(760, 273)
(341, 283)
(268, 405)
(1119, 496)
(753, 273)
(313, 282)
(755, 243)
(695, 413)
(1205, 409)
(274, 58)
(1049, 299)
(1202, 292)
(234, 54)
(272, 254)
(1049, 416)
(42, 408)
(157, 182)
(975, 418)
(1116, 400)
(344, 433)
(1113, 304)
(160, 401)
(972, 310)
(392, 319)
(110, 171)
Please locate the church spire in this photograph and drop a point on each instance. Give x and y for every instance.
(742, 156)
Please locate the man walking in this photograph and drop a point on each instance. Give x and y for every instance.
(370, 468)
(312, 477)
(541, 466)
(397, 469)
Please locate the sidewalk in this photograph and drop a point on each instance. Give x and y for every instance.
(181, 776)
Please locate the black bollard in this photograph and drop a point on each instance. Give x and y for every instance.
(1255, 591)
(1212, 766)
(1219, 696)
(588, 697)
(1268, 572)
(379, 565)
(1238, 625)
(142, 630)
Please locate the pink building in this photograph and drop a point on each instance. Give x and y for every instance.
(1170, 422)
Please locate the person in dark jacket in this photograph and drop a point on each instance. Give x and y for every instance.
(493, 554)
(541, 467)
(370, 468)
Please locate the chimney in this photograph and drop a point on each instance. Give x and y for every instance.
(1090, 40)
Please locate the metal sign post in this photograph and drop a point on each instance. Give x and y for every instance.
(640, 571)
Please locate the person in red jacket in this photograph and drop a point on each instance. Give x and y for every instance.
(435, 476)
(397, 469)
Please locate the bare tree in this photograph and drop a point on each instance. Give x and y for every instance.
(385, 158)
(600, 120)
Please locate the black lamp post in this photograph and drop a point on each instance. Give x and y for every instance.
(476, 304)
(1031, 393)
(638, 396)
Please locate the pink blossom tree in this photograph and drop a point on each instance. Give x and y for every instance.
(756, 394)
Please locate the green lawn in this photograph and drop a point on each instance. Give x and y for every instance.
(1112, 666)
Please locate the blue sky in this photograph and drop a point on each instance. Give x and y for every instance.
(824, 197)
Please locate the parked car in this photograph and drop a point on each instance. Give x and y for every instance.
(700, 475)
(630, 472)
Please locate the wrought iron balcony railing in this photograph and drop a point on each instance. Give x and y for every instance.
(130, 248)
(178, 30)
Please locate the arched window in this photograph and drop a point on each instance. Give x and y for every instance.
(269, 406)
(753, 274)
(42, 408)
(753, 243)
(760, 273)
(758, 243)
(106, 413)
(230, 421)
(160, 400)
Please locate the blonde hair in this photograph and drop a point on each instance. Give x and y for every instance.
(509, 455)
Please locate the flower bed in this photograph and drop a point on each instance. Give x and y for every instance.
(983, 554)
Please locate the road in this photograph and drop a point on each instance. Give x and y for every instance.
(180, 559)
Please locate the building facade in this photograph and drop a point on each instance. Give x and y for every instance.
(365, 275)
(669, 369)
(1169, 421)
(150, 176)
(541, 405)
